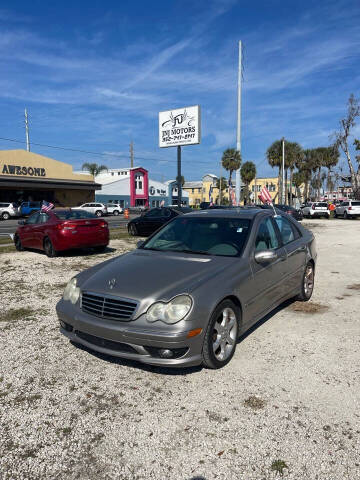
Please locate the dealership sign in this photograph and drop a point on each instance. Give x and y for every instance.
(180, 127)
(17, 170)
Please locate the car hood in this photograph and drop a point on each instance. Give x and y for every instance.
(148, 276)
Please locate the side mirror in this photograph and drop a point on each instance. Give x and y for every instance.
(21, 222)
(265, 256)
(139, 244)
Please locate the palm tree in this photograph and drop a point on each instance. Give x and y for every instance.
(93, 168)
(274, 157)
(248, 173)
(293, 155)
(231, 161)
(330, 160)
(298, 179)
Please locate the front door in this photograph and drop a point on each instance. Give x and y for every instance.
(267, 279)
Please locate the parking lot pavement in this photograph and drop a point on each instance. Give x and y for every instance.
(287, 403)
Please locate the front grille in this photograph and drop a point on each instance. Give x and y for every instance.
(107, 307)
(109, 344)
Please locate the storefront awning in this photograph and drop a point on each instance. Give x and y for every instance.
(12, 182)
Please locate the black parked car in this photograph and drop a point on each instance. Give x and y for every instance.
(297, 214)
(155, 218)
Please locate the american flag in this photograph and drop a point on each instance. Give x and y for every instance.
(232, 193)
(46, 206)
(210, 194)
(265, 196)
(162, 203)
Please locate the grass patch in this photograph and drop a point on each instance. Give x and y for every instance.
(23, 313)
(278, 466)
(8, 249)
(354, 286)
(5, 240)
(308, 307)
(254, 402)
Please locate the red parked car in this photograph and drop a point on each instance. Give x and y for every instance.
(59, 230)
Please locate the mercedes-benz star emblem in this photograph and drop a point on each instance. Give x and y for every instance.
(112, 283)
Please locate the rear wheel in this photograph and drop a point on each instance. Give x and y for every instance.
(49, 248)
(346, 216)
(5, 216)
(116, 212)
(18, 244)
(132, 230)
(98, 213)
(307, 284)
(221, 335)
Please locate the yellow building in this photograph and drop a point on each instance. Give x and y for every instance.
(199, 191)
(27, 176)
(271, 183)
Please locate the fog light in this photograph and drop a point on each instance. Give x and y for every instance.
(165, 353)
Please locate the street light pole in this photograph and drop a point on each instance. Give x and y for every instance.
(283, 172)
(238, 131)
(179, 175)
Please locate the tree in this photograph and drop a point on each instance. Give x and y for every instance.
(231, 161)
(248, 173)
(357, 148)
(342, 139)
(93, 168)
(330, 160)
(293, 155)
(298, 179)
(221, 182)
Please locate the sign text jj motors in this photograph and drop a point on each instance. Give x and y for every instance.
(180, 127)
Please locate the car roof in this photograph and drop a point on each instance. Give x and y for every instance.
(238, 212)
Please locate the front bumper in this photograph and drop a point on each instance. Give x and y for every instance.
(125, 340)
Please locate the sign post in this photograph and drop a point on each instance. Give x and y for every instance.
(177, 128)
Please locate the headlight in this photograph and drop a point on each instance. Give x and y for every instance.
(72, 292)
(171, 312)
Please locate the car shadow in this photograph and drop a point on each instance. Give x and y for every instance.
(174, 371)
(75, 252)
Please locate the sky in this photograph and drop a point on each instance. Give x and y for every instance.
(94, 75)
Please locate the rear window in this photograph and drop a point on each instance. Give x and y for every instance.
(73, 214)
(321, 204)
(3, 205)
(355, 204)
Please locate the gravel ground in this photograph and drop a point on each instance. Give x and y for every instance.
(287, 405)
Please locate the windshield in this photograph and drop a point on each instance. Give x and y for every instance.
(73, 214)
(211, 236)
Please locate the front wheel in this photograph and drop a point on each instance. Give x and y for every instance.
(116, 212)
(98, 213)
(49, 248)
(132, 230)
(18, 245)
(5, 216)
(307, 284)
(221, 335)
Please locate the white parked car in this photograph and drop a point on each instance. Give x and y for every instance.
(348, 209)
(316, 209)
(114, 209)
(8, 209)
(98, 209)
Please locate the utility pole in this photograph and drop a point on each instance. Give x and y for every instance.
(179, 174)
(131, 154)
(238, 132)
(255, 198)
(283, 173)
(220, 187)
(27, 131)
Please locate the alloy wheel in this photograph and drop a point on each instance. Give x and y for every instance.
(309, 280)
(224, 334)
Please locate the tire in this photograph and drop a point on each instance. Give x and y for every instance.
(100, 248)
(220, 340)
(307, 284)
(116, 212)
(132, 230)
(335, 215)
(98, 213)
(346, 216)
(5, 216)
(49, 248)
(18, 245)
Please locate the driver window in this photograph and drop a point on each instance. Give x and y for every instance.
(43, 218)
(266, 238)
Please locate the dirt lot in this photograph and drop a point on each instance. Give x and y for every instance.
(287, 405)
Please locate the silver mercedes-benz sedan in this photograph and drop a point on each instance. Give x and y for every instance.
(187, 293)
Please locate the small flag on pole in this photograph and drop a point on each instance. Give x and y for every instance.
(210, 194)
(265, 196)
(232, 194)
(162, 203)
(46, 206)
